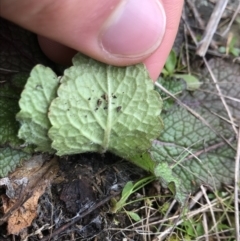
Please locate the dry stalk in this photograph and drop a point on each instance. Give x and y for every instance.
(220, 95)
(211, 211)
(236, 188)
(205, 226)
(211, 27)
(237, 11)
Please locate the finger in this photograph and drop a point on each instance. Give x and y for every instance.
(156, 61)
(112, 31)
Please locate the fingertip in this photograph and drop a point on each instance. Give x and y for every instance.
(156, 61)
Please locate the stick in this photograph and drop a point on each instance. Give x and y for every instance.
(236, 189)
(211, 27)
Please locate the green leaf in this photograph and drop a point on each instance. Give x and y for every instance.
(9, 159)
(192, 82)
(175, 86)
(164, 72)
(232, 43)
(39, 91)
(209, 160)
(134, 216)
(189, 151)
(164, 172)
(235, 52)
(126, 192)
(129, 189)
(101, 107)
(228, 76)
(171, 63)
(9, 95)
(222, 49)
(198, 153)
(144, 161)
(161, 170)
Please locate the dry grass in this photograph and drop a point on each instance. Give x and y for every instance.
(206, 216)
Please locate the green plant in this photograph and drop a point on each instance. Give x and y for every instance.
(97, 107)
(193, 228)
(128, 190)
(230, 47)
(171, 69)
(94, 108)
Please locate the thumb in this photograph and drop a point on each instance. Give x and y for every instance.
(118, 32)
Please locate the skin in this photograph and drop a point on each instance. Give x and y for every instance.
(62, 34)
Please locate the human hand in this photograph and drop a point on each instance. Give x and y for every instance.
(117, 32)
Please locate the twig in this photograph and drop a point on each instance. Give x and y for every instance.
(205, 226)
(191, 214)
(73, 221)
(225, 96)
(232, 20)
(196, 14)
(9, 70)
(211, 211)
(209, 51)
(199, 20)
(211, 27)
(236, 188)
(202, 209)
(223, 118)
(167, 213)
(220, 95)
(147, 215)
(186, 49)
(192, 34)
(195, 199)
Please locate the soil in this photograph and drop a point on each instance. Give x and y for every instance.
(82, 183)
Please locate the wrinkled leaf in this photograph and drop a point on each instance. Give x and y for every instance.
(101, 107)
(144, 161)
(228, 77)
(195, 150)
(175, 86)
(9, 159)
(19, 52)
(209, 160)
(199, 154)
(9, 97)
(164, 172)
(39, 91)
